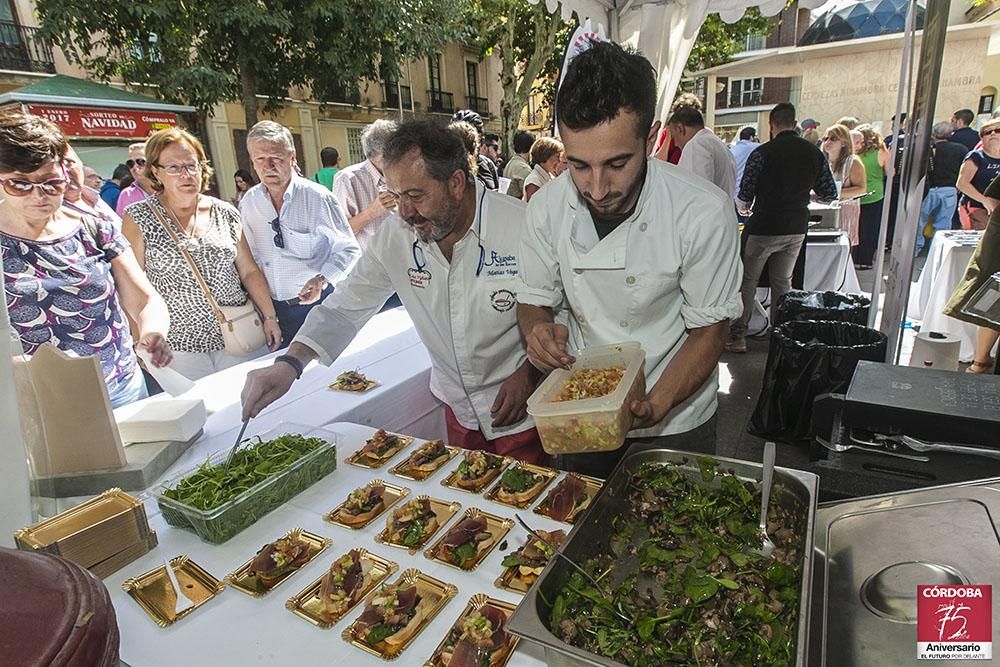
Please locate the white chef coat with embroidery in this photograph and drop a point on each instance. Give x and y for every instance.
(467, 322)
(673, 265)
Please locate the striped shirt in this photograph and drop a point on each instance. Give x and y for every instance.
(314, 230)
(356, 187)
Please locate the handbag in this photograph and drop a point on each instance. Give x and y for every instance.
(242, 327)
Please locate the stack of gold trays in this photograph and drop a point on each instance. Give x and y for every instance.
(103, 534)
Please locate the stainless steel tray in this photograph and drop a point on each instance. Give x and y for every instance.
(795, 487)
(872, 552)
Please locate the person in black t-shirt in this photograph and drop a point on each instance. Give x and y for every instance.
(944, 163)
(981, 166)
(777, 180)
(964, 134)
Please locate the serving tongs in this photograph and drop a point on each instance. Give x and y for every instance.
(923, 446)
(555, 550)
(232, 452)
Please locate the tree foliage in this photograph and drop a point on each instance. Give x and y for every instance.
(718, 41)
(202, 52)
(525, 37)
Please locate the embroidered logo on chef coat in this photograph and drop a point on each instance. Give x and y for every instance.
(497, 265)
(419, 277)
(503, 300)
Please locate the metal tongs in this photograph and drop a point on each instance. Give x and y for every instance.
(232, 452)
(923, 446)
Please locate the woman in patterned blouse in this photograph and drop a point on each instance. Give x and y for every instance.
(211, 232)
(68, 275)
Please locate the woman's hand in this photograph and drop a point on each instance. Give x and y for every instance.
(159, 349)
(272, 334)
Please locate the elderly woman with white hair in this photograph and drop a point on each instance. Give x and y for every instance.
(361, 189)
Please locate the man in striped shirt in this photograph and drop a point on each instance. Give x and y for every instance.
(360, 188)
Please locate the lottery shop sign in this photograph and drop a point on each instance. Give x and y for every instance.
(100, 122)
(955, 622)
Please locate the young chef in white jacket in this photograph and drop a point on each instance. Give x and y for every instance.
(638, 249)
(451, 253)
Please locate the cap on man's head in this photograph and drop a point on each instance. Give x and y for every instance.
(748, 133)
(808, 123)
(470, 117)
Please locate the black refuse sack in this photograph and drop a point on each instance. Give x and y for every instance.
(807, 359)
(799, 305)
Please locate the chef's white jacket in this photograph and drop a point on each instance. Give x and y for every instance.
(464, 311)
(673, 265)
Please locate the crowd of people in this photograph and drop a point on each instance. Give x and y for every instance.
(623, 247)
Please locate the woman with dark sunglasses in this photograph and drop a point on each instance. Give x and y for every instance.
(981, 166)
(68, 276)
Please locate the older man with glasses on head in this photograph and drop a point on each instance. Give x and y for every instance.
(141, 186)
(296, 229)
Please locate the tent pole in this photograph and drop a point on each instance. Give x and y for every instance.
(914, 173)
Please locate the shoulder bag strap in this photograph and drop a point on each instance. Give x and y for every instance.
(154, 206)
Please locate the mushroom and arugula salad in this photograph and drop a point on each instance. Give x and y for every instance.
(681, 568)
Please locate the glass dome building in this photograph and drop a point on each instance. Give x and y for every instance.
(851, 20)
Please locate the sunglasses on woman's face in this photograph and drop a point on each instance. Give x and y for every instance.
(18, 187)
(986, 133)
(828, 139)
(138, 161)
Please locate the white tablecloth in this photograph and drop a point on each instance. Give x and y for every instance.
(947, 258)
(387, 349)
(239, 630)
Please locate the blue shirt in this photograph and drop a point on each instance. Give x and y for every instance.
(741, 151)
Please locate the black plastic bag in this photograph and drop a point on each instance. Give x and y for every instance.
(799, 305)
(807, 359)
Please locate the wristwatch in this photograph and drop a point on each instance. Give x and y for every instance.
(270, 317)
(293, 362)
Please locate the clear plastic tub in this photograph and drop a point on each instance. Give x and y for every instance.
(223, 522)
(591, 424)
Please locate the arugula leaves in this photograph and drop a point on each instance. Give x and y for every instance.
(463, 552)
(379, 632)
(517, 480)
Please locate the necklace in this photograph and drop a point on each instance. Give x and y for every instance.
(190, 240)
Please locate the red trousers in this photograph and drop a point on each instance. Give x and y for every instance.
(524, 446)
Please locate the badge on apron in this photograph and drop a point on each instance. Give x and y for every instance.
(419, 277)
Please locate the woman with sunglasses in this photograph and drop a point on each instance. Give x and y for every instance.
(68, 275)
(849, 175)
(211, 233)
(981, 166)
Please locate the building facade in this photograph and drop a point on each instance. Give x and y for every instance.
(859, 76)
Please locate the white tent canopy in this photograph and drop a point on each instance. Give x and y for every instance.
(663, 30)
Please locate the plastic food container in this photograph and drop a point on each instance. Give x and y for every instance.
(590, 424)
(223, 522)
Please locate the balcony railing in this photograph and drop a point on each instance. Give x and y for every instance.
(22, 49)
(393, 94)
(480, 105)
(745, 99)
(440, 101)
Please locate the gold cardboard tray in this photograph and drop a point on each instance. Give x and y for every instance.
(109, 566)
(476, 602)
(241, 580)
(155, 594)
(496, 526)
(547, 474)
(436, 592)
(593, 486)
(402, 469)
(451, 481)
(356, 459)
(369, 384)
(307, 604)
(511, 580)
(90, 532)
(443, 510)
(392, 495)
